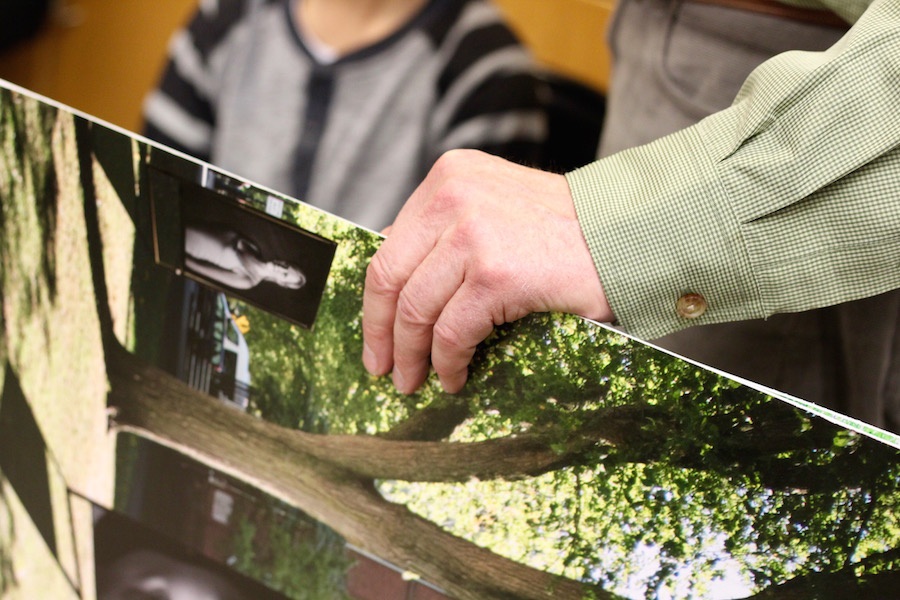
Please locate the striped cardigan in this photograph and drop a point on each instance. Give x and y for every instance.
(355, 136)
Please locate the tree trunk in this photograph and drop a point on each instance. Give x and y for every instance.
(271, 458)
(846, 583)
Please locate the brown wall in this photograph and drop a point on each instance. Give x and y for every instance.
(99, 56)
(102, 56)
(566, 35)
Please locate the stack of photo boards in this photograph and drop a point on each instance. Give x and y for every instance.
(170, 420)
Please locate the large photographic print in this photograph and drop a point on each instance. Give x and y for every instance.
(161, 378)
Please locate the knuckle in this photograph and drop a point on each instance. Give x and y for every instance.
(408, 310)
(453, 182)
(380, 278)
(452, 161)
(472, 237)
(447, 335)
(470, 230)
(449, 198)
(490, 271)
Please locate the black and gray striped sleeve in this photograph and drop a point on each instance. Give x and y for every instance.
(489, 95)
(180, 112)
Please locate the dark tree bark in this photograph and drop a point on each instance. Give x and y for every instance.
(846, 583)
(432, 423)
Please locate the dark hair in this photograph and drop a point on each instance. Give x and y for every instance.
(20, 20)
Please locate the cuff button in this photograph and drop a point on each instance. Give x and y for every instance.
(691, 306)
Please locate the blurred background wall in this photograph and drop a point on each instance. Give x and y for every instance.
(99, 56)
(568, 36)
(102, 56)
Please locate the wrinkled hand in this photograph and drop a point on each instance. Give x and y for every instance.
(481, 242)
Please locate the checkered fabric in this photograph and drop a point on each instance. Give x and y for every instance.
(850, 10)
(787, 201)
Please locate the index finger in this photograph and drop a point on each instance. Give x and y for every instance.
(382, 288)
(411, 240)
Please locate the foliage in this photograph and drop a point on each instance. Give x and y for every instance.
(300, 558)
(28, 200)
(711, 484)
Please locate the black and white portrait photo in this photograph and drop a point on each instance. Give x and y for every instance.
(235, 261)
(243, 252)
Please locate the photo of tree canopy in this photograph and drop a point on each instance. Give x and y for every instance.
(576, 462)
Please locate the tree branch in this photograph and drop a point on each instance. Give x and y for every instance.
(432, 423)
(846, 583)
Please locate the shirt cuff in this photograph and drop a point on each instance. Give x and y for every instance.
(664, 237)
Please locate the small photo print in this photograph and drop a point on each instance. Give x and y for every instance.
(241, 251)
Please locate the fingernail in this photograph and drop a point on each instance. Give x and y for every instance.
(399, 381)
(369, 360)
(453, 383)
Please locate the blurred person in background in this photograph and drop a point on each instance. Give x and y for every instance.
(346, 104)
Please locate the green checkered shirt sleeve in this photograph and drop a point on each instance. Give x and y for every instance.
(787, 201)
